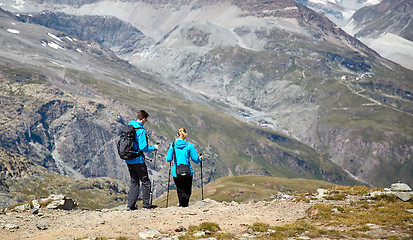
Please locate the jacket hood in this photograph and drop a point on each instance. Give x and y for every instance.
(136, 124)
(181, 144)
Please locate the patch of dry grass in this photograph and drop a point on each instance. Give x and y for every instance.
(385, 217)
(211, 229)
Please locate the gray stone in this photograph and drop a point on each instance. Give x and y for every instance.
(404, 196)
(55, 204)
(34, 211)
(400, 187)
(150, 233)
(57, 197)
(69, 204)
(410, 210)
(321, 192)
(36, 204)
(180, 229)
(376, 194)
(66, 204)
(41, 227)
(23, 207)
(10, 226)
(199, 234)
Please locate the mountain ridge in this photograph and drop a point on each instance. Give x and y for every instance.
(64, 100)
(312, 75)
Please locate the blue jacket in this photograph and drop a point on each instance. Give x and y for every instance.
(183, 150)
(141, 141)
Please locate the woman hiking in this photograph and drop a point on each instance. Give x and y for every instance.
(179, 152)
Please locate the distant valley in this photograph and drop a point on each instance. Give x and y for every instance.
(270, 88)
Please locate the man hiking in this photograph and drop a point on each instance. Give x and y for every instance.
(137, 167)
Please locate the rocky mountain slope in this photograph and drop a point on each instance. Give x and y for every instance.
(387, 28)
(338, 11)
(280, 65)
(64, 99)
(382, 25)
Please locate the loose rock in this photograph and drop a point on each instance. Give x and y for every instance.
(10, 226)
(41, 227)
(150, 233)
(400, 187)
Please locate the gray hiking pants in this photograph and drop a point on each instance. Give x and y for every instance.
(139, 174)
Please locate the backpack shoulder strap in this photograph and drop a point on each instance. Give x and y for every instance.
(173, 149)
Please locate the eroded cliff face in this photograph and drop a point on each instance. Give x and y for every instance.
(61, 131)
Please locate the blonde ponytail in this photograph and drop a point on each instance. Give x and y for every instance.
(182, 133)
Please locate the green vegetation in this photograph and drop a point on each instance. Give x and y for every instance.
(382, 218)
(205, 226)
(92, 193)
(353, 220)
(248, 188)
(209, 228)
(219, 134)
(260, 227)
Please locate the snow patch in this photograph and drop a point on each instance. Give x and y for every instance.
(393, 47)
(54, 37)
(54, 45)
(372, 2)
(58, 64)
(13, 31)
(78, 50)
(324, 2)
(19, 5)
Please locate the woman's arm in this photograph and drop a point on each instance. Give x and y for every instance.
(169, 156)
(194, 154)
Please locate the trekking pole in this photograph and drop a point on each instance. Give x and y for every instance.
(202, 181)
(169, 179)
(153, 177)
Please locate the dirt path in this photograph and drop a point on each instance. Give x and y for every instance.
(231, 217)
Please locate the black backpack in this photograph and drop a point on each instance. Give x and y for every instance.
(126, 143)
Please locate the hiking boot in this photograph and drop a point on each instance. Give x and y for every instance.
(150, 207)
(130, 208)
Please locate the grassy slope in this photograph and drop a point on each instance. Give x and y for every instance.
(219, 133)
(247, 188)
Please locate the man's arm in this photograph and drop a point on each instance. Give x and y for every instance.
(143, 142)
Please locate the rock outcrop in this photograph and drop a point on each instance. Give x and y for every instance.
(400, 190)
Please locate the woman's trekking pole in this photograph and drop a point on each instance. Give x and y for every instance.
(169, 179)
(202, 181)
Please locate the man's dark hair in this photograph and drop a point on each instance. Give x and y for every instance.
(142, 114)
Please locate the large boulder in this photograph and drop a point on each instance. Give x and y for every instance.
(59, 202)
(400, 187)
(400, 190)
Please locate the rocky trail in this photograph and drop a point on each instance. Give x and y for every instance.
(234, 218)
(354, 213)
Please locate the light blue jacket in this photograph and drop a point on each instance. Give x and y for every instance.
(141, 141)
(183, 150)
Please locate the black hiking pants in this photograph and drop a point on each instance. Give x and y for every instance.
(184, 190)
(139, 174)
